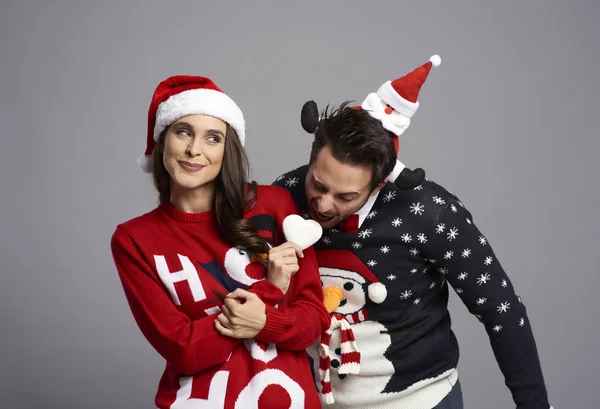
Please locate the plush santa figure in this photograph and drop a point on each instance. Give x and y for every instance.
(394, 104)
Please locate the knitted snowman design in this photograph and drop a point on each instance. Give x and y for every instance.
(353, 344)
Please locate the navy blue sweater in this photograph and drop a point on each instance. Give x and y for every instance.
(416, 242)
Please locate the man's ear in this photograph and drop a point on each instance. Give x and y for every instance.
(379, 186)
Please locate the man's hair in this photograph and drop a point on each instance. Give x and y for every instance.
(355, 138)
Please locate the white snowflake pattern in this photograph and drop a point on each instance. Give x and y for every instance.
(438, 200)
(452, 233)
(372, 214)
(389, 196)
(448, 255)
(454, 209)
(420, 187)
(414, 251)
(326, 240)
(443, 271)
(432, 285)
(521, 321)
(396, 222)
(391, 277)
(482, 240)
(422, 238)
(481, 301)
(334, 230)
(466, 253)
(356, 245)
(371, 263)
(417, 301)
(385, 249)
(488, 260)
(365, 233)
(413, 270)
(469, 221)
(503, 307)
(459, 291)
(305, 214)
(280, 178)
(497, 328)
(484, 278)
(440, 228)
(406, 237)
(431, 260)
(292, 181)
(463, 276)
(504, 283)
(425, 270)
(417, 208)
(406, 295)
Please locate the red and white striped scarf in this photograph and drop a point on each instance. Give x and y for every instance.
(350, 355)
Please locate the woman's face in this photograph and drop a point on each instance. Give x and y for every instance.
(193, 151)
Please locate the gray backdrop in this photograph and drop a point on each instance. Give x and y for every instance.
(508, 122)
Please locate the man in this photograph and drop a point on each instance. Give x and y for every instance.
(391, 253)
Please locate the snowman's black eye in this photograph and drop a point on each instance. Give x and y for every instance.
(242, 251)
(348, 286)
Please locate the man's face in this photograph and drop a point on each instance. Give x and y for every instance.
(336, 190)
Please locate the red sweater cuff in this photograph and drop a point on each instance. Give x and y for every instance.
(267, 292)
(277, 323)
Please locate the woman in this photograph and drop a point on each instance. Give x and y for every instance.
(191, 268)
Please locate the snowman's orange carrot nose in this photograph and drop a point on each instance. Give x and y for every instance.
(332, 297)
(258, 258)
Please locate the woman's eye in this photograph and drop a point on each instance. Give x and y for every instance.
(213, 139)
(184, 132)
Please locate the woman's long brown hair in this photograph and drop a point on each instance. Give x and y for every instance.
(234, 194)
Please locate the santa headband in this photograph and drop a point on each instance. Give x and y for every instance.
(395, 102)
(394, 105)
(183, 95)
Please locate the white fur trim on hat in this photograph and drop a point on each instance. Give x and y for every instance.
(377, 292)
(200, 101)
(393, 99)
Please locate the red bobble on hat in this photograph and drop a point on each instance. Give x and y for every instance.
(183, 95)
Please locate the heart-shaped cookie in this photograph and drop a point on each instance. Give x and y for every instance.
(303, 232)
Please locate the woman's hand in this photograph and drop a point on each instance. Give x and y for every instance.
(282, 263)
(243, 315)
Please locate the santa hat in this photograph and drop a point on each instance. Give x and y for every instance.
(395, 102)
(354, 269)
(183, 95)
